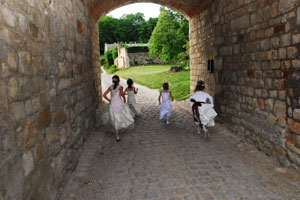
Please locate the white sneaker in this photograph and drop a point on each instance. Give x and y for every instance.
(198, 130)
(168, 122)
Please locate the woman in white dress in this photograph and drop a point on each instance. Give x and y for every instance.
(119, 112)
(131, 102)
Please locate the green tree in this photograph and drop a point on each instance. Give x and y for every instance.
(129, 28)
(170, 36)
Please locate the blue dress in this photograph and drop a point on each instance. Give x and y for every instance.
(165, 108)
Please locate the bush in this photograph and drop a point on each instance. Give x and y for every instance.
(109, 61)
(112, 69)
(115, 52)
(102, 60)
(137, 49)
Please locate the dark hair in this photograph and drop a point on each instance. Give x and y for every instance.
(130, 83)
(115, 80)
(200, 86)
(165, 86)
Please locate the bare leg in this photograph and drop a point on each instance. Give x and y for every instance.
(117, 135)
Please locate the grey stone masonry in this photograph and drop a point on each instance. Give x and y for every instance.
(255, 83)
(47, 93)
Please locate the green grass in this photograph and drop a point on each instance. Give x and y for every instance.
(153, 76)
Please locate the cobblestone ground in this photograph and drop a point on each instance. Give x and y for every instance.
(159, 161)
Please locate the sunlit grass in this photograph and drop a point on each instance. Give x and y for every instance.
(153, 76)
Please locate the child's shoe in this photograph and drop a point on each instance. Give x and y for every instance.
(198, 130)
(167, 121)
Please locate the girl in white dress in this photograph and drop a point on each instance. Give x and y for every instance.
(198, 102)
(166, 108)
(119, 112)
(131, 102)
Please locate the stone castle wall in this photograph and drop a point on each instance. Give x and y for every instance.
(47, 93)
(255, 46)
(142, 58)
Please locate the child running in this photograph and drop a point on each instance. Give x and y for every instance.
(131, 91)
(166, 107)
(119, 113)
(203, 112)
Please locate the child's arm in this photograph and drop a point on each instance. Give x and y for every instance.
(172, 98)
(105, 93)
(159, 97)
(135, 90)
(122, 94)
(125, 92)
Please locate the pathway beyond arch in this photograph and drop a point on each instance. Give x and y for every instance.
(159, 161)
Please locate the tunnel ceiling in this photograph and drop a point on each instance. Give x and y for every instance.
(187, 8)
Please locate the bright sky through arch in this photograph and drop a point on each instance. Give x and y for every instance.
(148, 9)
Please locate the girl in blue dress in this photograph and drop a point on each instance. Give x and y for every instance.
(166, 107)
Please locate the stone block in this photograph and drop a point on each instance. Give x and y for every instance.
(31, 2)
(59, 117)
(298, 16)
(28, 163)
(13, 87)
(273, 94)
(271, 119)
(275, 42)
(282, 53)
(296, 114)
(280, 108)
(292, 52)
(63, 84)
(286, 5)
(17, 109)
(296, 63)
(296, 39)
(265, 44)
(25, 66)
(52, 135)
(62, 69)
(294, 126)
(12, 62)
(38, 152)
(297, 141)
(282, 94)
(3, 93)
(8, 16)
(44, 118)
(30, 134)
(269, 104)
(285, 40)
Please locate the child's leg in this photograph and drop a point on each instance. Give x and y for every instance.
(117, 135)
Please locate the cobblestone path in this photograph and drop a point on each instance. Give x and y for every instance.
(159, 161)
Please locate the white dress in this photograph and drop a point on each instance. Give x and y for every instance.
(132, 102)
(119, 113)
(206, 111)
(166, 107)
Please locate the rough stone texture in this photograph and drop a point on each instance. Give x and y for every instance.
(48, 77)
(50, 82)
(159, 161)
(255, 46)
(142, 59)
(187, 8)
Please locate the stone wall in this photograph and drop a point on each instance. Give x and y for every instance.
(256, 48)
(142, 58)
(47, 93)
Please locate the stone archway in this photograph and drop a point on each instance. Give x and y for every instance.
(49, 72)
(100, 8)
